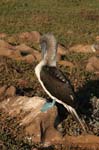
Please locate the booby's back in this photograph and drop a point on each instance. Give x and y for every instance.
(57, 84)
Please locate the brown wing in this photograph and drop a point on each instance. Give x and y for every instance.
(57, 84)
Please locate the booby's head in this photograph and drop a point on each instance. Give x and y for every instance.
(49, 49)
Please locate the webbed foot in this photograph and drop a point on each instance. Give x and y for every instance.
(47, 106)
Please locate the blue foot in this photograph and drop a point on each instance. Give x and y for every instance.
(47, 106)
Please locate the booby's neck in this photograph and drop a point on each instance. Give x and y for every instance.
(39, 67)
(49, 49)
(49, 60)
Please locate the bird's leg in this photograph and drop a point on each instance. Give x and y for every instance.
(47, 106)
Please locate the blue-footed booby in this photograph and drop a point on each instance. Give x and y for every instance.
(52, 80)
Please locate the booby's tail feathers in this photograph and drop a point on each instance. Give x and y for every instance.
(75, 115)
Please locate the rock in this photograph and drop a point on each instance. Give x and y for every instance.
(33, 36)
(97, 38)
(29, 54)
(38, 126)
(95, 47)
(11, 91)
(25, 36)
(8, 50)
(66, 63)
(59, 57)
(93, 64)
(61, 50)
(14, 54)
(5, 52)
(37, 55)
(43, 128)
(3, 35)
(89, 67)
(29, 58)
(14, 39)
(17, 52)
(23, 48)
(4, 44)
(2, 90)
(9, 53)
(87, 141)
(82, 48)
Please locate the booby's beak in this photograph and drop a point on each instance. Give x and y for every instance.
(43, 46)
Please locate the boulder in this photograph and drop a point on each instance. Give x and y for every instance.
(82, 48)
(33, 36)
(37, 55)
(5, 51)
(61, 50)
(9, 53)
(93, 64)
(97, 38)
(2, 90)
(29, 58)
(26, 50)
(11, 91)
(14, 54)
(4, 44)
(25, 36)
(3, 35)
(88, 142)
(13, 39)
(66, 63)
(95, 47)
(23, 48)
(38, 126)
